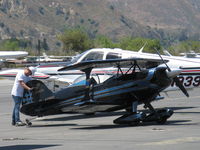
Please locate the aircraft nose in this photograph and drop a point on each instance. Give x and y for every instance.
(173, 73)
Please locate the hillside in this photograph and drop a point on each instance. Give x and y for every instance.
(166, 20)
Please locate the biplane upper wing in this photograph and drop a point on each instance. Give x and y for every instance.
(142, 62)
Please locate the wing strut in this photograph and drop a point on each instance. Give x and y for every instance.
(134, 67)
(88, 83)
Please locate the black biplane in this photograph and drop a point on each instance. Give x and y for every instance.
(140, 84)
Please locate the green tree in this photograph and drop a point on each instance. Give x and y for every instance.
(15, 44)
(153, 45)
(75, 40)
(184, 47)
(102, 41)
(10, 45)
(135, 44)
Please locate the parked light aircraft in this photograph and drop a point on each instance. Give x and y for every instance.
(190, 54)
(45, 58)
(120, 91)
(11, 54)
(106, 53)
(190, 75)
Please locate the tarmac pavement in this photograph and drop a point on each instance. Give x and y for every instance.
(97, 132)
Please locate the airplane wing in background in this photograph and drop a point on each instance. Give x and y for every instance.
(11, 74)
(12, 54)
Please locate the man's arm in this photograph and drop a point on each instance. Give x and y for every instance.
(23, 84)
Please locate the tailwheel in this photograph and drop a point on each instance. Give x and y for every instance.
(28, 123)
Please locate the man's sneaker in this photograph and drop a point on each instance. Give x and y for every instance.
(13, 123)
(20, 124)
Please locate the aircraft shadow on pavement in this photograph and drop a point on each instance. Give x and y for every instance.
(52, 125)
(105, 114)
(25, 147)
(101, 127)
(74, 117)
(180, 108)
(111, 126)
(83, 116)
(185, 112)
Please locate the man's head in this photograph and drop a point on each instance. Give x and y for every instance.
(29, 71)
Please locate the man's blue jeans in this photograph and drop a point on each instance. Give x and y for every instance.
(15, 115)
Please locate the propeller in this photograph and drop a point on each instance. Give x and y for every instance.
(175, 79)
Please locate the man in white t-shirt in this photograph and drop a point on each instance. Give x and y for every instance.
(21, 79)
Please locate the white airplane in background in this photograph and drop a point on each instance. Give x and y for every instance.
(190, 75)
(106, 53)
(45, 58)
(190, 54)
(10, 55)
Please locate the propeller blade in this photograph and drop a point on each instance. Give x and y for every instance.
(180, 85)
(172, 73)
(163, 60)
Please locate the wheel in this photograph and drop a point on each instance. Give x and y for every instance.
(164, 115)
(28, 123)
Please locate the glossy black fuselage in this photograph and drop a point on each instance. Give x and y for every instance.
(118, 92)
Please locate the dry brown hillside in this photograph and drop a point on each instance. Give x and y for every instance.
(163, 19)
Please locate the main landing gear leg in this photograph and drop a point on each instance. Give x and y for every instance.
(132, 117)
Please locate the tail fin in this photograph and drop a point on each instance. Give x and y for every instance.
(45, 55)
(39, 93)
(142, 48)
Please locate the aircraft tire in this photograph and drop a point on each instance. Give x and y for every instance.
(28, 123)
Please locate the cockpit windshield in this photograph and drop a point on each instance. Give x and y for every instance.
(112, 55)
(76, 58)
(93, 56)
(97, 55)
